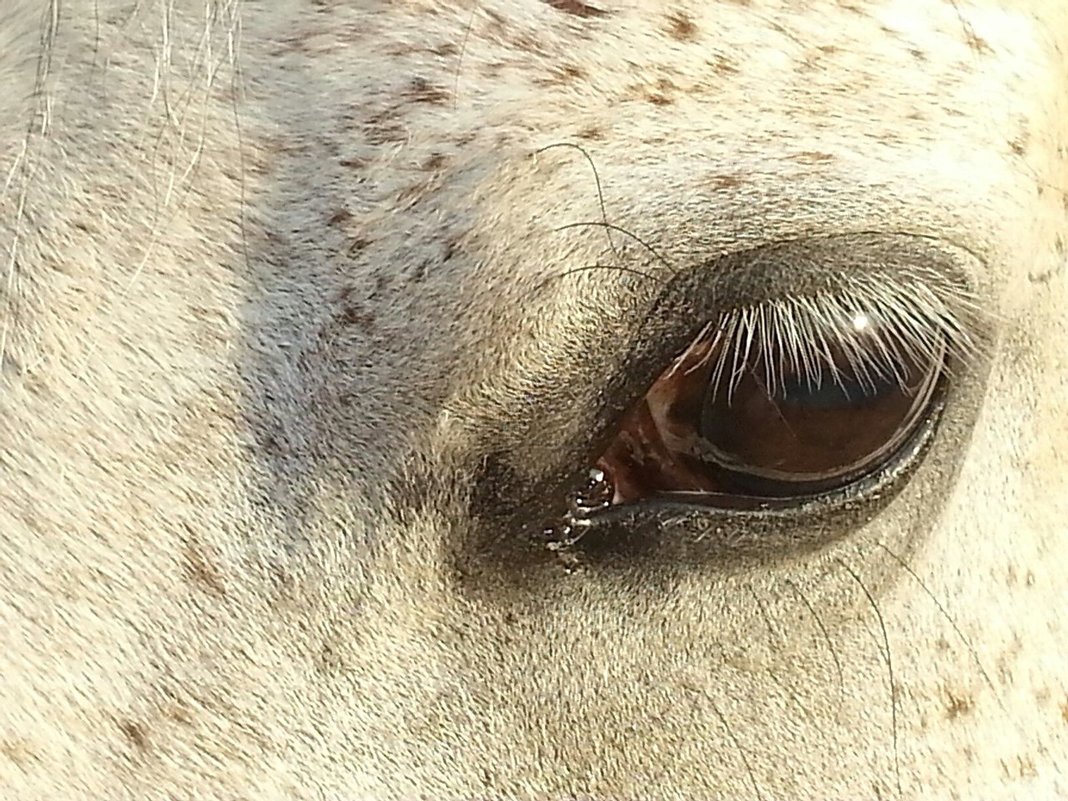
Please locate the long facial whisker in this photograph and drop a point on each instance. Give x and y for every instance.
(889, 670)
(952, 623)
(830, 645)
(597, 184)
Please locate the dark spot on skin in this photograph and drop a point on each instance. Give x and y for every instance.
(726, 182)
(383, 134)
(200, 568)
(723, 65)
(329, 660)
(576, 8)
(18, 752)
(435, 162)
(1018, 146)
(809, 156)
(917, 54)
(592, 133)
(451, 247)
(358, 244)
(359, 317)
(957, 705)
(353, 163)
(1022, 767)
(135, 733)
(976, 42)
(562, 75)
(661, 96)
(681, 27)
(178, 714)
(1064, 711)
(423, 91)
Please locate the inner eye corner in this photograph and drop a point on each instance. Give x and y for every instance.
(776, 405)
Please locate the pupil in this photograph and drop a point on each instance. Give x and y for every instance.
(845, 391)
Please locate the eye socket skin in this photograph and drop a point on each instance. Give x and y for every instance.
(922, 338)
(529, 458)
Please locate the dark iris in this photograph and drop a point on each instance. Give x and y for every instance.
(781, 427)
(820, 433)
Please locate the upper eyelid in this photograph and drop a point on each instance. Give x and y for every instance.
(913, 320)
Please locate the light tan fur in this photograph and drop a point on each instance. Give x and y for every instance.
(288, 294)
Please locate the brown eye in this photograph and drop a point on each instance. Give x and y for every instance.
(777, 403)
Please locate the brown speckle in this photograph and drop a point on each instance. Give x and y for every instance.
(725, 181)
(576, 8)
(975, 41)
(957, 705)
(591, 133)
(681, 27)
(177, 713)
(1022, 767)
(810, 156)
(329, 661)
(358, 244)
(420, 90)
(383, 134)
(353, 163)
(200, 568)
(562, 75)
(661, 96)
(1064, 711)
(723, 65)
(18, 751)
(435, 162)
(135, 733)
(358, 317)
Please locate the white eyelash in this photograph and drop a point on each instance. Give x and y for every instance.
(912, 321)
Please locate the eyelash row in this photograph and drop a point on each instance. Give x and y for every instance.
(877, 328)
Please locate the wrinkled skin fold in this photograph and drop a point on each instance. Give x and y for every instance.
(312, 312)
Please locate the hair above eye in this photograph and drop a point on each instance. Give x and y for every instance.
(791, 397)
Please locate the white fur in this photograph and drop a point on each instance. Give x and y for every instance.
(276, 278)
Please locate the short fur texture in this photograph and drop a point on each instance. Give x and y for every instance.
(297, 344)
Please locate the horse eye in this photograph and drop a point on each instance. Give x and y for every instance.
(763, 409)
